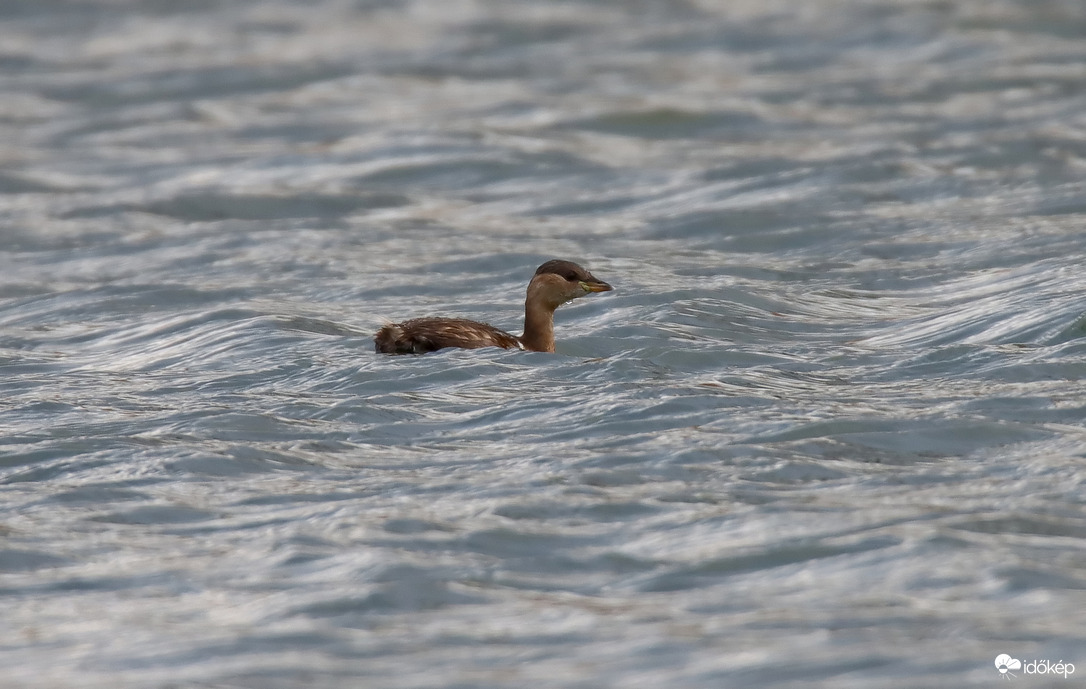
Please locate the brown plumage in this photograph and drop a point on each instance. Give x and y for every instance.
(554, 283)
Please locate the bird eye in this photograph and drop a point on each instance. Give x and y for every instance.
(571, 276)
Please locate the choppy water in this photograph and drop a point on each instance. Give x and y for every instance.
(827, 431)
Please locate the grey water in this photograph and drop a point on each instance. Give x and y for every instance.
(828, 430)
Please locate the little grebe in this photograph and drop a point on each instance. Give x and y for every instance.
(554, 283)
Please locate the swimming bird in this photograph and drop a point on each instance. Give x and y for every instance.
(554, 283)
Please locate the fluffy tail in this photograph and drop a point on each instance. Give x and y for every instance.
(388, 338)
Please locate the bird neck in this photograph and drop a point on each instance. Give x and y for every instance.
(538, 326)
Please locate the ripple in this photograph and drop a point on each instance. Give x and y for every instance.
(834, 402)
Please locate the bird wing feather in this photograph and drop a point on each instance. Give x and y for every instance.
(421, 335)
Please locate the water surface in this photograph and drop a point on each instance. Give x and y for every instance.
(827, 431)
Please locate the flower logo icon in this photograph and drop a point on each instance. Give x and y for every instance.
(1004, 663)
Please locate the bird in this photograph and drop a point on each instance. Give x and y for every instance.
(553, 284)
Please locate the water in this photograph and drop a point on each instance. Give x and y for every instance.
(827, 431)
